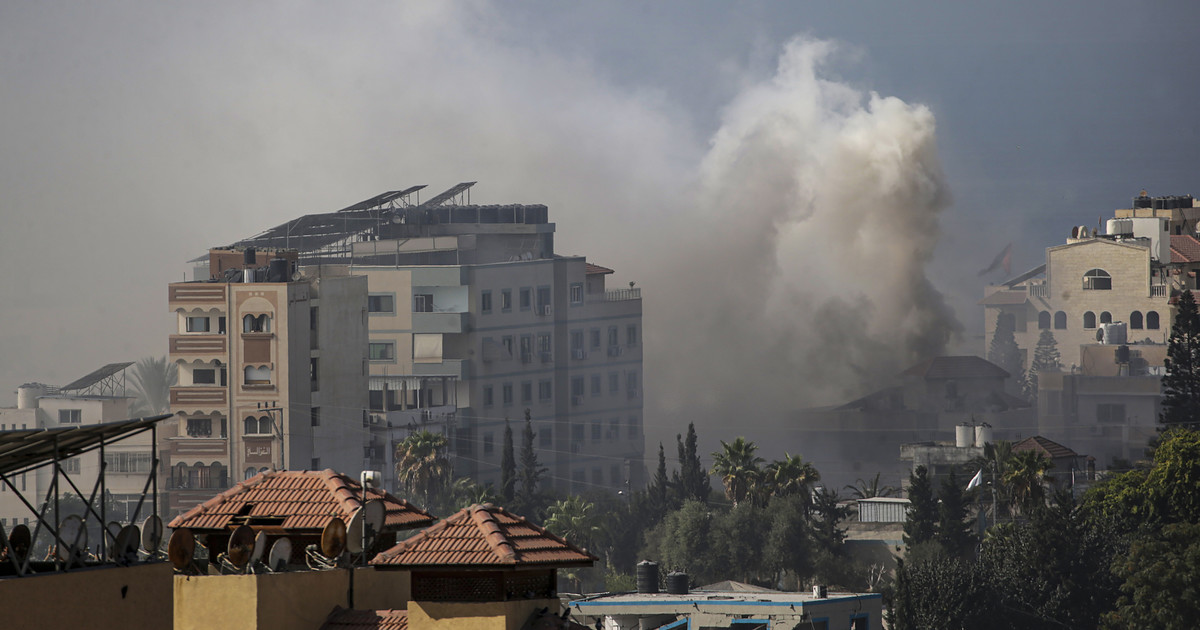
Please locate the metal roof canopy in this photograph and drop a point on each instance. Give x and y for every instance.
(24, 450)
(451, 193)
(97, 376)
(379, 200)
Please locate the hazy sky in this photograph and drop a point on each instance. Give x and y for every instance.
(134, 135)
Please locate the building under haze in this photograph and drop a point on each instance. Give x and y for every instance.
(272, 375)
(474, 320)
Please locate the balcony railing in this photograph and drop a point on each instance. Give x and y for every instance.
(197, 292)
(1039, 291)
(621, 295)
(1158, 290)
(197, 344)
(202, 397)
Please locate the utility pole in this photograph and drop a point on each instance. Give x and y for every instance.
(276, 427)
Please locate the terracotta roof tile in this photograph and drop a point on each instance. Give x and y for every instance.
(484, 535)
(1049, 448)
(351, 619)
(303, 499)
(590, 269)
(1185, 248)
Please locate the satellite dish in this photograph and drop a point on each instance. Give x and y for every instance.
(241, 545)
(114, 529)
(374, 515)
(152, 533)
(181, 548)
(281, 554)
(333, 538)
(124, 550)
(354, 533)
(20, 541)
(74, 538)
(260, 547)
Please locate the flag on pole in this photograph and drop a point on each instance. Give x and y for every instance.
(1003, 259)
(977, 480)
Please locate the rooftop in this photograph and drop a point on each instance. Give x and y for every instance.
(291, 500)
(695, 602)
(484, 535)
(591, 269)
(1049, 448)
(1185, 248)
(956, 367)
(351, 619)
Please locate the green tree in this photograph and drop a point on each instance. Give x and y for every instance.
(1025, 478)
(868, 489)
(531, 471)
(788, 547)
(1161, 576)
(1045, 358)
(1004, 351)
(738, 468)
(1181, 384)
(994, 464)
(791, 477)
(573, 519)
(422, 466)
(463, 492)
(659, 491)
(681, 542)
(948, 593)
(692, 482)
(954, 523)
(152, 381)
(921, 523)
(508, 466)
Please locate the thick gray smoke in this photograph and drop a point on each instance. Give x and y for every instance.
(802, 278)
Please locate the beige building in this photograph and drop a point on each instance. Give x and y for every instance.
(272, 368)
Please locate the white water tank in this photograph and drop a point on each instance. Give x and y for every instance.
(964, 435)
(1119, 227)
(983, 434)
(1114, 333)
(28, 394)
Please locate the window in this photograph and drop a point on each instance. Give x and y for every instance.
(545, 390)
(612, 336)
(422, 302)
(543, 300)
(526, 348)
(316, 416)
(1044, 320)
(543, 342)
(197, 325)
(614, 382)
(199, 427)
(485, 302)
(250, 472)
(1110, 413)
(204, 376)
(546, 436)
(597, 384)
(577, 387)
(506, 300)
(1152, 320)
(1105, 317)
(256, 323)
(489, 397)
(316, 463)
(577, 433)
(631, 333)
(614, 429)
(633, 427)
(71, 466)
(576, 293)
(70, 416)
(314, 319)
(631, 383)
(1135, 320)
(597, 475)
(1089, 320)
(488, 444)
(1060, 320)
(526, 392)
(381, 303)
(257, 375)
(127, 462)
(507, 342)
(1097, 280)
(221, 325)
(576, 341)
(264, 426)
(526, 297)
(595, 338)
(597, 431)
(382, 351)
(951, 389)
(507, 392)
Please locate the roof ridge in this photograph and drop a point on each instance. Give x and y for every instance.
(340, 487)
(485, 521)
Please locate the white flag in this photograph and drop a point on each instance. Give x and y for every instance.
(976, 480)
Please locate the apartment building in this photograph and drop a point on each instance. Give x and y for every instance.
(474, 319)
(272, 374)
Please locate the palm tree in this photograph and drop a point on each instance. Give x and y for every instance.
(737, 466)
(574, 520)
(464, 492)
(995, 459)
(152, 380)
(421, 466)
(870, 489)
(790, 476)
(1024, 477)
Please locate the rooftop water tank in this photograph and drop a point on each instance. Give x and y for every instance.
(647, 577)
(28, 394)
(964, 435)
(983, 434)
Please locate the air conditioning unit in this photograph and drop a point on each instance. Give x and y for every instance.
(579, 353)
(375, 418)
(545, 309)
(615, 351)
(577, 400)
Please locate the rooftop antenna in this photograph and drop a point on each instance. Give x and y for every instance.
(181, 549)
(280, 555)
(241, 545)
(152, 534)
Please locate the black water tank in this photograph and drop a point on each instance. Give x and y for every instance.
(647, 577)
(248, 257)
(278, 270)
(677, 583)
(1122, 354)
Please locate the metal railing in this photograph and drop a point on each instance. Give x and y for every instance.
(620, 295)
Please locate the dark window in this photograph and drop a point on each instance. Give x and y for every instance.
(526, 392)
(381, 304)
(1060, 321)
(595, 338)
(316, 416)
(545, 390)
(506, 300)
(197, 324)
(1105, 317)
(1152, 320)
(577, 433)
(382, 351)
(597, 431)
(1089, 320)
(631, 333)
(1110, 413)
(545, 437)
(1135, 320)
(507, 391)
(488, 445)
(204, 376)
(314, 373)
(1044, 320)
(485, 302)
(199, 427)
(1097, 280)
(526, 297)
(423, 303)
(488, 397)
(597, 384)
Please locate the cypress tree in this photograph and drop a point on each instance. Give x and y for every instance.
(921, 524)
(693, 478)
(508, 466)
(531, 469)
(1004, 351)
(953, 530)
(1181, 385)
(1045, 357)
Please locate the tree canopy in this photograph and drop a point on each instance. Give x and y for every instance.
(1181, 384)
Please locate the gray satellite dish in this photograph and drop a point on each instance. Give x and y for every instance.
(281, 554)
(354, 532)
(152, 533)
(374, 515)
(74, 537)
(124, 550)
(114, 529)
(260, 547)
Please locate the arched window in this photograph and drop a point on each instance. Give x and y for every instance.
(1135, 320)
(1152, 320)
(250, 426)
(181, 475)
(203, 480)
(253, 324)
(258, 375)
(1060, 321)
(1105, 317)
(1044, 320)
(250, 472)
(1089, 320)
(1097, 280)
(217, 474)
(264, 425)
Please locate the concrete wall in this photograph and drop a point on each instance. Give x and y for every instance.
(475, 615)
(109, 597)
(341, 392)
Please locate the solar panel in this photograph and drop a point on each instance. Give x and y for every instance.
(379, 200)
(96, 376)
(454, 191)
(29, 448)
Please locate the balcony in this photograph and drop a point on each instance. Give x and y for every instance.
(622, 295)
(197, 293)
(1158, 290)
(193, 397)
(1039, 290)
(197, 345)
(439, 322)
(456, 368)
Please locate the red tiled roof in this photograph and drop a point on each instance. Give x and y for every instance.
(590, 269)
(305, 499)
(484, 535)
(1185, 248)
(1049, 448)
(351, 619)
(956, 367)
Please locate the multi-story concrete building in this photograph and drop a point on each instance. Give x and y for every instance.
(474, 319)
(272, 369)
